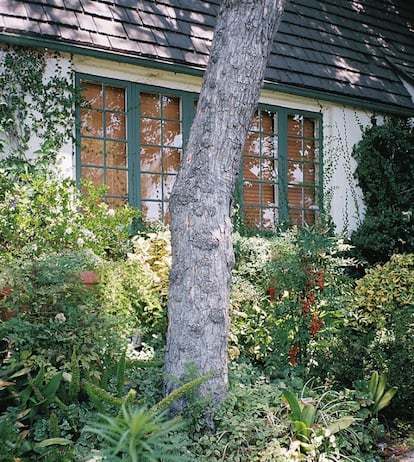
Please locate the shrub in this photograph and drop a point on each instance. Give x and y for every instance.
(256, 423)
(55, 315)
(385, 158)
(288, 303)
(386, 310)
(39, 214)
(137, 288)
(137, 435)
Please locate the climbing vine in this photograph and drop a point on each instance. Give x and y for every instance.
(338, 154)
(36, 103)
(385, 172)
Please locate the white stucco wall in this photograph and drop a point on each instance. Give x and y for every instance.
(341, 130)
(65, 158)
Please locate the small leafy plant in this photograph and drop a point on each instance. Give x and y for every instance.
(137, 435)
(310, 422)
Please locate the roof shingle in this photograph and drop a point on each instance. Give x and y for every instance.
(356, 49)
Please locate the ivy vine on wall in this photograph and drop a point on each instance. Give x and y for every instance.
(37, 101)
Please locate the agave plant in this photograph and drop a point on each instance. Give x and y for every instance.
(137, 435)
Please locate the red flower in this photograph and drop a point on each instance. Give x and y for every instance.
(320, 279)
(311, 298)
(272, 292)
(293, 354)
(315, 324)
(305, 307)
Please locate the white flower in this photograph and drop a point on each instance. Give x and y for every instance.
(110, 212)
(80, 242)
(60, 317)
(68, 230)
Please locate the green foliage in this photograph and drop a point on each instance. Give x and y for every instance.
(386, 292)
(39, 213)
(51, 305)
(289, 296)
(379, 396)
(137, 287)
(317, 420)
(36, 97)
(385, 158)
(256, 423)
(384, 316)
(137, 435)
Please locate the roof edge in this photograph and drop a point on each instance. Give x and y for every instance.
(343, 100)
(65, 47)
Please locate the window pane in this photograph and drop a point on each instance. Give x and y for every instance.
(170, 107)
(168, 185)
(251, 168)
(152, 211)
(269, 217)
(114, 98)
(171, 134)
(92, 151)
(96, 175)
(295, 172)
(149, 105)
(116, 180)
(103, 147)
(116, 154)
(92, 95)
(91, 122)
(252, 146)
(171, 160)
(151, 159)
(115, 125)
(151, 186)
(150, 131)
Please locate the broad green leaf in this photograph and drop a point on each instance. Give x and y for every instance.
(53, 441)
(340, 424)
(51, 388)
(308, 414)
(373, 384)
(294, 404)
(380, 388)
(23, 371)
(385, 400)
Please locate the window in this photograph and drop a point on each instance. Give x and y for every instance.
(103, 139)
(131, 136)
(160, 151)
(280, 169)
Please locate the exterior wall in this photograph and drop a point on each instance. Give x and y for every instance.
(66, 157)
(341, 130)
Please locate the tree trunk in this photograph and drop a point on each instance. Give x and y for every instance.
(201, 200)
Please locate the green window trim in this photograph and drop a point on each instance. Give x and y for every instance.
(136, 144)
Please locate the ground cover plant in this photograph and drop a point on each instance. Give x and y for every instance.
(81, 365)
(317, 359)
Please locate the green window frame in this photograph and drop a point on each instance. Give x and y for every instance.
(130, 137)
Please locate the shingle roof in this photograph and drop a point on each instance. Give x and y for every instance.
(353, 48)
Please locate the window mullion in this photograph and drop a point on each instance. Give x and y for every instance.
(282, 124)
(133, 131)
(187, 115)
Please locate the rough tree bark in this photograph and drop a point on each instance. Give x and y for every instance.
(201, 200)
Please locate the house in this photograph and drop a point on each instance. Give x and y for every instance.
(139, 65)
